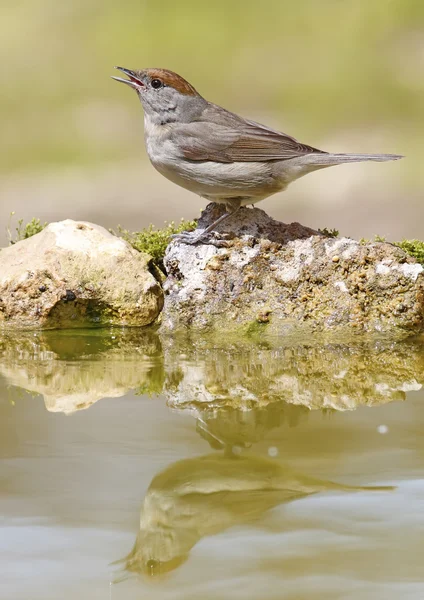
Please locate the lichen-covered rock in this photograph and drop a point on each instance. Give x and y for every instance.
(274, 278)
(76, 274)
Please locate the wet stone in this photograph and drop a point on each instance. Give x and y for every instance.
(305, 281)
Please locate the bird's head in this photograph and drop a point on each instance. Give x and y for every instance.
(166, 97)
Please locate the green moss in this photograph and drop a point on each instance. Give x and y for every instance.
(154, 383)
(331, 233)
(154, 241)
(150, 240)
(256, 328)
(377, 238)
(24, 231)
(413, 247)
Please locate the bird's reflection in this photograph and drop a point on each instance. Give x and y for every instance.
(198, 497)
(228, 427)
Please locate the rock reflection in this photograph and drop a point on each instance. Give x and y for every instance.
(230, 428)
(72, 370)
(203, 496)
(338, 377)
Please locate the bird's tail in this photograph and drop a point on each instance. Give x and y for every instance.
(366, 488)
(327, 160)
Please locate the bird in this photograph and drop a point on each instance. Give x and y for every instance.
(218, 154)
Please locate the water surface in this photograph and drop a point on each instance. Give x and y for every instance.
(209, 470)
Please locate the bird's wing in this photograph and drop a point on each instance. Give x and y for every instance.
(226, 138)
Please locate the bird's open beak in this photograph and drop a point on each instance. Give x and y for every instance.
(133, 80)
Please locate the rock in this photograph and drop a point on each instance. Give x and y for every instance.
(76, 274)
(275, 278)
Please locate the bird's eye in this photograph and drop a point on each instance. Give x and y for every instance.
(152, 566)
(156, 83)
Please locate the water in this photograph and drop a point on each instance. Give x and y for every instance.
(210, 471)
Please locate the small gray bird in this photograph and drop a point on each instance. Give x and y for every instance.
(217, 154)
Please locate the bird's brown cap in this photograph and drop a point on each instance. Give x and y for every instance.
(168, 78)
(173, 80)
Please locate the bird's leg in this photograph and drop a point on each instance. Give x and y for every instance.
(214, 441)
(191, 237)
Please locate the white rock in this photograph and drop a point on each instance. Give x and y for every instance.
(76, 274)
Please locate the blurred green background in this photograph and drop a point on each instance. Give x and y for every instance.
(343, 75)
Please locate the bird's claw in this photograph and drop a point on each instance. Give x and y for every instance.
(186, 238)
(192, 238)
